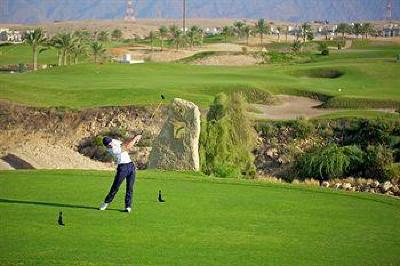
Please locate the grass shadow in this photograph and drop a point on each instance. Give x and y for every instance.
(51, 204)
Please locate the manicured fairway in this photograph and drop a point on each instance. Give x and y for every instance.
(204, 222)
(111, 84)
(369, 79)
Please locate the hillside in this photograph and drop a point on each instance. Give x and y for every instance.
(34, 11)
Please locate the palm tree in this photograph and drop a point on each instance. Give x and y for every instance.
(152, 36)
(177, 36)
(357, 29)
(64, 42)
(116, 34)
(305, 31)
(83, 35)
(238, 27)
(366, 29)
(261, 28)
(343, 28)
(103, 36)
(37, 40)
(287, 32)
(325, 32)
(193, 34)
(247, 30)
(163, 33)
(55, 42)
(279, 29)
(79, 48)
(227, 31)
(97, 50)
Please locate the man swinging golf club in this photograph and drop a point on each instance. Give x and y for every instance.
(126, 169)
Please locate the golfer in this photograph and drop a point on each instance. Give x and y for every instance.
(125, 169)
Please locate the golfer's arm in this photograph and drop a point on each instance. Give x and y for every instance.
(128, 143)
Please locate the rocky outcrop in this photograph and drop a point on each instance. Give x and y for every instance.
(365, 185)
(177, 146)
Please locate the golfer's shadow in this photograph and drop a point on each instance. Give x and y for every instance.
(51, 204)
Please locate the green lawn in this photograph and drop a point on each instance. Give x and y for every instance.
(22, 53)
(370, 80)
(88, 85)
(205, 221)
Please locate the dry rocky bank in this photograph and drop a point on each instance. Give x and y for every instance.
(51, 138)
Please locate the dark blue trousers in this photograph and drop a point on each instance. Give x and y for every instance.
(128, 171)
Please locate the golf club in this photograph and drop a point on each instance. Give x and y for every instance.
(154, 112)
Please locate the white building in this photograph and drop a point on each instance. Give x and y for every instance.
(127, 59)
(7, 35)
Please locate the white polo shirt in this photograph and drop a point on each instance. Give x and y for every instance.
(116, 151)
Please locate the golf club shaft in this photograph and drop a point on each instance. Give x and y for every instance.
(152, 115)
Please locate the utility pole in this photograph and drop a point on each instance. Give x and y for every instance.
(388, 13)
(184, 17)
(130, 12)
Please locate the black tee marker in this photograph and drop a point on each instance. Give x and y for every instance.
(160, 197)
(60, 219)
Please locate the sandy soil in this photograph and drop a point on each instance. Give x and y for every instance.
(42, 152)
(141, 52)
(292, 107)
(229, 60)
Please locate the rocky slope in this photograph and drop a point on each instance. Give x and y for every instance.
(44, 138)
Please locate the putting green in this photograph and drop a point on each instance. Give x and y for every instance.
(205, 221)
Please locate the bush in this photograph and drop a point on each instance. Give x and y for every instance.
(331, 161)
(302, 128)
(376, 160)
(93, 146)
(323, 48)
(366, 132)
(226, 170)
(392, 171)
(227, 138)
(297, 46)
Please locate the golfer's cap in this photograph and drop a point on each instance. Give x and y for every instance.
(107, 140)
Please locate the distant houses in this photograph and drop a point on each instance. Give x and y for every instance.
(391, 30)
(13, 36)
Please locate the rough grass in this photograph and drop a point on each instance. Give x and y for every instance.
(204, 221)
(354, 114)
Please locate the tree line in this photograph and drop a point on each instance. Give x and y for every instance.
(70, 46)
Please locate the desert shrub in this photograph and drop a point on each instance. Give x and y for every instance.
(93, 146)
(297, 46)
(259, 96)
(340, 44)
(376, 160)
(227, 139)
(328, 162)
(367, 132)
(226, 170)
(302, 128)
(323, 48)
(94, 149)
(392, 171)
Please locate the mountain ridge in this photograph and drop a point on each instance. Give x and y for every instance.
(39, 11)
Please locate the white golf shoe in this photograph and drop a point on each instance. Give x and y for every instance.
(103, 206)
(128, 209)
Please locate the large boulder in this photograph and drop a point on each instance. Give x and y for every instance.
(177, 146)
